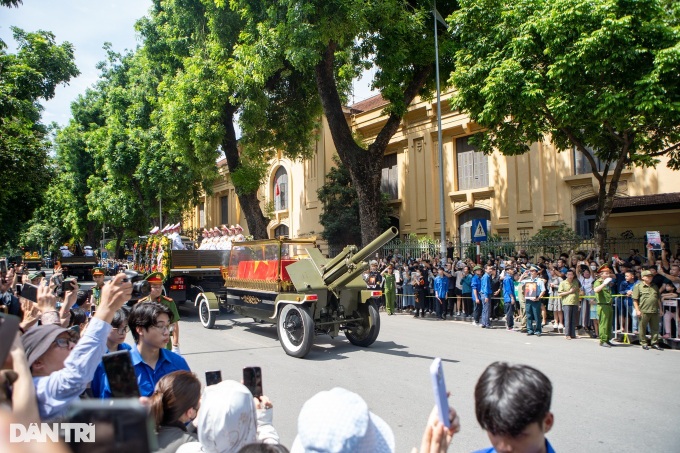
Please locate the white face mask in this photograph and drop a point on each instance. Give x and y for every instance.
(593, 267)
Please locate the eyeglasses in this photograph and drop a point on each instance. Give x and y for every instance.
(63, 342)
(162, 327)
(123, 330)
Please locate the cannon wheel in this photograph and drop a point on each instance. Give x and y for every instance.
(363, 335)
(295, 327)
(207, 317)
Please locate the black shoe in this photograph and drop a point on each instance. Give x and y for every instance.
(605, 345)
(657, 347)
(645, 347)
(611, 344)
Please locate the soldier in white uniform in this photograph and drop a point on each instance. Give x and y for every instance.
(65, 252)
(225, 243)
(88, 251)
(239, 237)
(204, 240)
(176, 239)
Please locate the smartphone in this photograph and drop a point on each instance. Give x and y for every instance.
(252, 378)
(9, 326)
(121, 374)
(439, 388)
(213, 377)
(3, 266)
(30, 292)
(119, 425)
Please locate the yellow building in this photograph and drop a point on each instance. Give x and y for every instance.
(518, 195)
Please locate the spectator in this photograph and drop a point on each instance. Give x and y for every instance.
(61, 371)
(441, 288)
(569, 291)
(464, 281)
(476, 286)
(624, 304)
(647, 307)
(534, 289)
(419, 287)
(150, 326)
(512, 404)
(9, 303)
(555, 302)
(603, 296)
(174, 405)
(230, 418)
(588, 310)
(496, 284)
(409, 295)
(339, 421)
(509, 299)
(486, 292)
(114, 342)
(669, 293)
(17, 390)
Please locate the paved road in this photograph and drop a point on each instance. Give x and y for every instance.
(605, 400)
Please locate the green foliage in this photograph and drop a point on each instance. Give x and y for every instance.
(591, 74)
(340, 217)
(554, 240)
(26, 78)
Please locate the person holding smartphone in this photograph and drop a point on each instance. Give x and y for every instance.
(62, 369)
(115, 341)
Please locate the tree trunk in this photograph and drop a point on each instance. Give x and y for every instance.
(365, 166)
(119, 232)
(257, 222)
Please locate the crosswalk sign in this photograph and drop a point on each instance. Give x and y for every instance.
(479, 231)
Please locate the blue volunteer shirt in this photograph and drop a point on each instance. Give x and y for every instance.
(548, 449)
(147, 377)
(624, 287)
(486, 286)
(508, 289)
(441, 286)
(100, 383)
(466, 284)
(476, 284)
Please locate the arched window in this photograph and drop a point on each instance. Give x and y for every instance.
(585, 223)
(280, 189)
(281, 230)
(465, 221)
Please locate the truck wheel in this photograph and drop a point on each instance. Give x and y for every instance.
(366, 331)
(208, 317)
(295, 327)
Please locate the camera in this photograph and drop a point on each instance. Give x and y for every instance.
(140, 287)
(63, 285)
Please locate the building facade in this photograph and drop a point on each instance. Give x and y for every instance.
(517, 195)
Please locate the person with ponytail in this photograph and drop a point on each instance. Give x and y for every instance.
(174, 405)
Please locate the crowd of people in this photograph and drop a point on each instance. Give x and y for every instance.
(61, 341)
(577, 291)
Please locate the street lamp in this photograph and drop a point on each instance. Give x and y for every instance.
(442, 210)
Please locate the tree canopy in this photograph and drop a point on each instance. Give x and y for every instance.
(601, 76)
(27, 77)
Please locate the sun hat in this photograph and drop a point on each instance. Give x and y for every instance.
(338, 421)
(38, 339)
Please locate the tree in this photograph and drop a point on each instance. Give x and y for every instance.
(26, 78)
(202, 96)
(332, 41)
(340, 217)
(598, 76)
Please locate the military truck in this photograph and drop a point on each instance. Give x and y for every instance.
(78, 266)
(188, 272)
(32, 261)
(288, 282)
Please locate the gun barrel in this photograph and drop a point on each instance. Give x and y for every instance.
(375, 244)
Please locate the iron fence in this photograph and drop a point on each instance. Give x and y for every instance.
(552, 249)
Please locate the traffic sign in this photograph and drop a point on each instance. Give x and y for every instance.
(479, 231)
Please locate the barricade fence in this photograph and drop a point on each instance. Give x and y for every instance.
(625, 321)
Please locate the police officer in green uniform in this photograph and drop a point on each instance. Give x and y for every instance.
(647, 308)
(603, 297)
(98, 277)
(155, 280)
